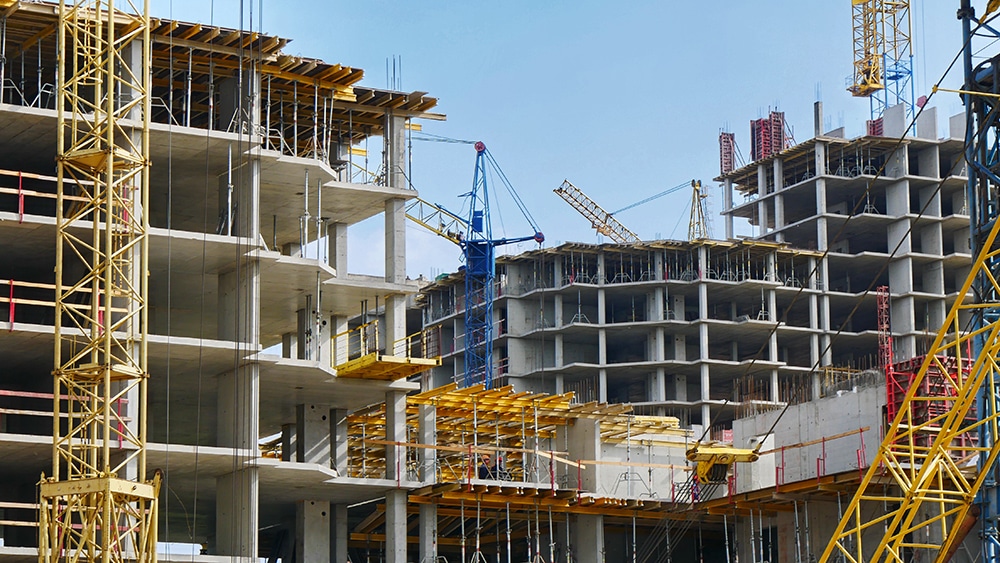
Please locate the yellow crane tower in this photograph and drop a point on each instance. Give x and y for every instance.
(97, 504)
(606, 224)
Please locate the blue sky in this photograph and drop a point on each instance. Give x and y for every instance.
(624, 99)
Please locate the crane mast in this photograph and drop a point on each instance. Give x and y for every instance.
(883, 54)
(474, 235)
(97, 503)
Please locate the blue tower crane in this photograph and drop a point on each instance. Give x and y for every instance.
(479, 253)
(479, 250)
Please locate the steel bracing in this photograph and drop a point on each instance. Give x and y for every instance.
(97, 504)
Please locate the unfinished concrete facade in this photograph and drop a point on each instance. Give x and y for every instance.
(253, 187)
(726, 332)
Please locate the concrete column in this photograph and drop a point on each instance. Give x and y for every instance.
(814, 349)
(395, 241)
(312, 531)
(288, 446)
(779, 198)
(339, 347)
(558, 350)
(428, 533)
(395, 430)
(762, 192)
(339, 533)
(336, 238)
(557, 316)
(589, 539)
(820, 162)
(395, 526)
(602, 385)
(394, 328)
(236, 520)
(585, 443)
(727, 195)
(428, 437)
(239, 298)
(338, 435)
(312, 423)
(394, 150)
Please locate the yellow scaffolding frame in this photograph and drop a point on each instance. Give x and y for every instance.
(97, 504)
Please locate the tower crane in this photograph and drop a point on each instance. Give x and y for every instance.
(608, 225)
(474, 235)
(918, 498)
(98, 504)
(883, 54)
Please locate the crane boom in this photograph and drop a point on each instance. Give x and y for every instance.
(600, 219)
(436, 219)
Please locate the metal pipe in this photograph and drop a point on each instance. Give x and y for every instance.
(38, 77)
(315, 121)
(229, 193)
(319, 219)
(3, 55)
(295, 119)
(267, 116)
(187, 95)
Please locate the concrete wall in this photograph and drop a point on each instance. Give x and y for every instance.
(808, 422)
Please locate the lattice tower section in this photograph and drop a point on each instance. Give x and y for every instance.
(97, 504)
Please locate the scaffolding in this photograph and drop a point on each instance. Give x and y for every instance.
(97, 501)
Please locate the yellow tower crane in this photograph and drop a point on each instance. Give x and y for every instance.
(98, 505)
(606, 224)
(601, 220)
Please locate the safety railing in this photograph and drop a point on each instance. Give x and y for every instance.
(359, 352)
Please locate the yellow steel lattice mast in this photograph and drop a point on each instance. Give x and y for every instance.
(98, 505)
(698, 224)
(869, 44)
(918, 493)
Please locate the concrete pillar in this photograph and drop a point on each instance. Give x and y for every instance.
(338, 436)
(558, 350)
(236, 520)
(602, 385)
(727, 195)
(428, 437)
(339, 533)
(585, 443)
(762, 191)
(395, 241)
(312, 423)
(336, 238)
(589, 536)
(557, 316)
(394, 151)
(394, 329)
(779, 198)
(395, 526)
(339, 346)
(239, 297)
(428, 533)
(288, 446)
(312, 531)
(395, 430)
(820, 162)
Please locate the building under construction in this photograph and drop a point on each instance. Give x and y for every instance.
(723, 334)
(653, 401)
